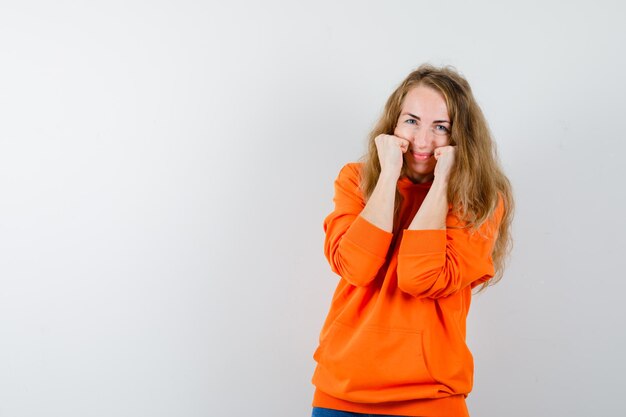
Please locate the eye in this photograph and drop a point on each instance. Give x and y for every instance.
(442, 128)
(411, 121)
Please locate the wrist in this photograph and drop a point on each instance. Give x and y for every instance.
(389, 175)
(440, 182)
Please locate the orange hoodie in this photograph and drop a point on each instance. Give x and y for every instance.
(394, 338)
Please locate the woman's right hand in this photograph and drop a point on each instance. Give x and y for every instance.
(390, 153)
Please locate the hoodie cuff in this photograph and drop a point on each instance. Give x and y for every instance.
(368, 237)
(421, 242)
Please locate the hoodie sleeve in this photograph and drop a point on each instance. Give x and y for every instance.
(354, 247)
(437, 263)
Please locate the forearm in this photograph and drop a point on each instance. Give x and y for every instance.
(434, 209)
(380, 206)
(437, 263)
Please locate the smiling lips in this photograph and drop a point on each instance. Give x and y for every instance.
(422, 156)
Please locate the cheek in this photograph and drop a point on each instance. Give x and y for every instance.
(445, 141)
(399, 130)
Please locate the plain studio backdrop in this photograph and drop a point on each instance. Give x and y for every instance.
(165, 168)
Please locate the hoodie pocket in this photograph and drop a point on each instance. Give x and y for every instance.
(374, 358)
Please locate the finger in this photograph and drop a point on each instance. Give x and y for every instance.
(404, 145)
(447, 148)
(443, 150)
(382, 137)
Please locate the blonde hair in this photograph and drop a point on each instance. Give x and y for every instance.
(477, 181)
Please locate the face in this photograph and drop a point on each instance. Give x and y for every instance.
(425, 123)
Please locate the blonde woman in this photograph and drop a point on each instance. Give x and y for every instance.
(419, 224)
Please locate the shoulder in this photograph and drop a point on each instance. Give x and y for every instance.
(498, 212)
(492, 225)
(348, 182)
(351, 172)
(489, 225)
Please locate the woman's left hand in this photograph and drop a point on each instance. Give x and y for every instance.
(445, 160)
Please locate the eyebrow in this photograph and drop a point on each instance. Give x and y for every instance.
(418, 118)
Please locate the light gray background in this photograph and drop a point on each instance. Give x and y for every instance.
(165, 168)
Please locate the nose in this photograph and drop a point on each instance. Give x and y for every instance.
(422, 138)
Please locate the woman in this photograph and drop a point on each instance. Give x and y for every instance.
(419, 224)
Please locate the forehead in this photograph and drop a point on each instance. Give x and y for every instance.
(425, 102)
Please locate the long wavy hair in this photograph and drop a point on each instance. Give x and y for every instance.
(477, 182)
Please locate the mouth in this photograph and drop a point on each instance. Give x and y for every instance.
(422, 156)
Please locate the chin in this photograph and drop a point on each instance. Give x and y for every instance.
(420, 176)
(420, 170)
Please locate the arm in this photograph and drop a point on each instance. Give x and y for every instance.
(436, 260)
(355, 247)
(434, 209)
(358, 235)
(437, 263)
(380, 206)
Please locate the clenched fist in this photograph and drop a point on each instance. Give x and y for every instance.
(390, 153)
(445, 160)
